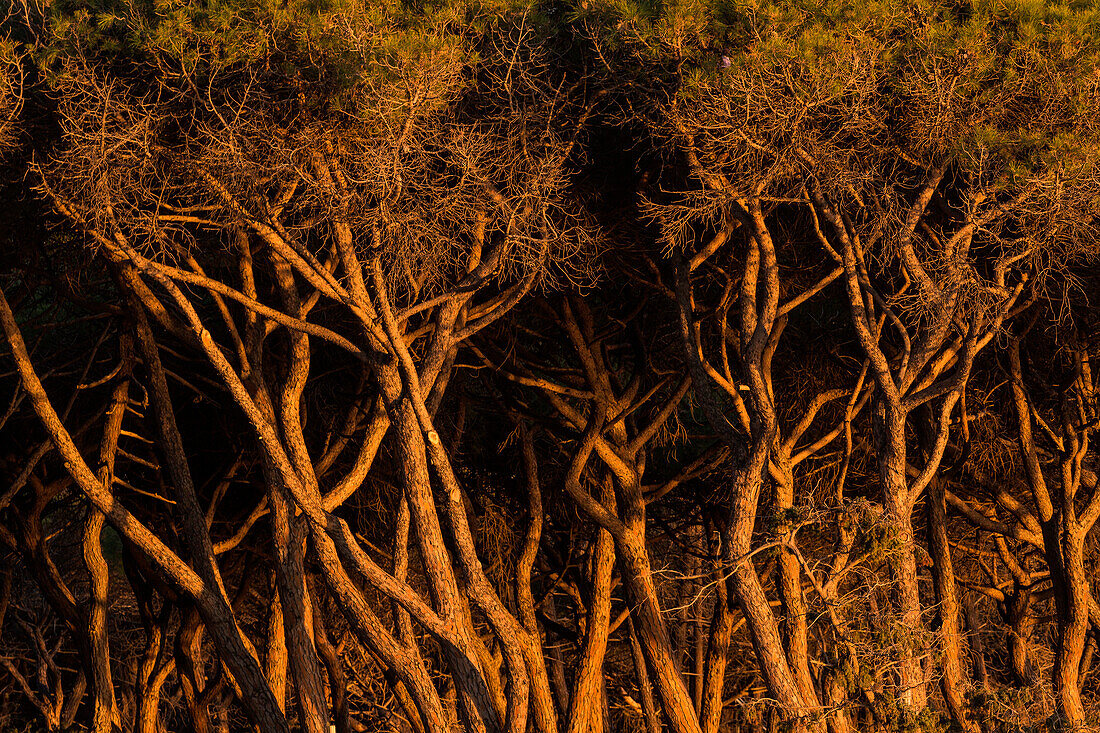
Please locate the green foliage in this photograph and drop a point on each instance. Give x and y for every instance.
(180, 122)
(331, 48)
(1003, 90)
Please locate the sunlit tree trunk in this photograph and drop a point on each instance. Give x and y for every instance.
(953, 683)
(587, 712)
(104, 714)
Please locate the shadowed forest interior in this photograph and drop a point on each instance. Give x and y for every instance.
(568, 367)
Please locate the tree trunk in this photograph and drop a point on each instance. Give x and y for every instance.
(191, 669)
(290, 572)
(653, 634)
(152, 674)
(721, 631)
(1071, 638)
(953, 680)
(912, 688)
(794, 625)
(213, 603)
(557, 664)
(753, 602)
(912, 684)
(104, 712)
(645, 690)
(475, 700)
(586, 715)
(334, 667)
(1021, 622)
(974, 641)
(275, 659)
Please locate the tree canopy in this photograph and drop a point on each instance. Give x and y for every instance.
(613, 365)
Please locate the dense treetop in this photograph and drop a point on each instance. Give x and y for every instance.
(591, 366)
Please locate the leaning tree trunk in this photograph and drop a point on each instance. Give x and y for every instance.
(953, 681)
(753, 602)
(653, 635)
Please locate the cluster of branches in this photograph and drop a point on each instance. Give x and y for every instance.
(495, 368)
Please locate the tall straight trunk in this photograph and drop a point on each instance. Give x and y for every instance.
(794, 624)
(795, 627)
(290, 541)
(542, 697)
(953, 680)
(586, 715)
(1072, 632)
(104, 711)
(721, 631)
(684, 622)
(912, 683)
(1021, 622)
(699, 639)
